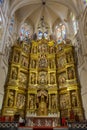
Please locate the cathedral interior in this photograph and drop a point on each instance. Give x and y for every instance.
(43, 58)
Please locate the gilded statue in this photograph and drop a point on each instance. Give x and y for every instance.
(33, 63)
(43, 62)
(16, 57)
(14, 73)
(54, 102)
(11, 99)
(74, 101)
(52, 78)
(42, 106)
(31, 102)
(69, 57)
(33, 78)
(20, 101)
(42, 77)
(70, 73)
(24, 61)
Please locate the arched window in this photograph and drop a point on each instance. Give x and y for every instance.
(75, 24)
(60, 32)
(25, 31)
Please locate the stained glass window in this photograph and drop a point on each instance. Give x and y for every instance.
(75, 24)
(60, 33)
(25, 31)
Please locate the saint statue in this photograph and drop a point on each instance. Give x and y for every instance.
(42, 106)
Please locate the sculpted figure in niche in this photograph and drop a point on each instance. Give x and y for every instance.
(31, 102)
(52, 79)
(20, 101)
(33, 80)
(16, 57)
(43, 61)
(54, 101)
(26, 49)
(70, 74)
(33, 64)
(69, 57)
(25, 62)
(62, 78)
(14, 73)
(11, 99)
(74, 101)
(43, 77)
(42, 106)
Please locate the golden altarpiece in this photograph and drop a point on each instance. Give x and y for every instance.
(42, 80)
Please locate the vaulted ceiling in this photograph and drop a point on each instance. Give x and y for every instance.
(33, 10)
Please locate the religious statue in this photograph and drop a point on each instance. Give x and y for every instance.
(16, 57)
(14, 73)
(42, 77)
(20, 101)
(70, 73)
(11, 99)
(25, 49)
(52, 78)
(33, 78)
(24, 61)
(42, 106)
(69, 57)
(43, 62)
(54, 102)
(31, 102)
(74, 101)
(33, 64)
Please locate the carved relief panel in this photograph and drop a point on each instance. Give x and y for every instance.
(62, 79)
(24, 61)
(64, 101)
(14, 73)
(43, 62)
(43, 78)
(61, 61)
(20, 102)
(23, 80)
